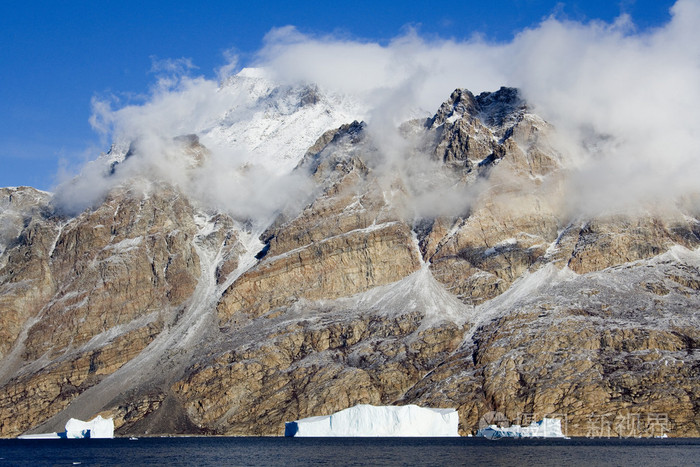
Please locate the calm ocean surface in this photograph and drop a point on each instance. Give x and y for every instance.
(351, 451)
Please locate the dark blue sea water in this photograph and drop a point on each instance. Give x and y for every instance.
(352, 451)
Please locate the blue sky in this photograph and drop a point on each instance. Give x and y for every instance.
(56, 56)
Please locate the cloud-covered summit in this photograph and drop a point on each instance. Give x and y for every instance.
(624, 102)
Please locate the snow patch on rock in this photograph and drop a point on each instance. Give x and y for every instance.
(265, 123)
(420, 292)
(276, 124)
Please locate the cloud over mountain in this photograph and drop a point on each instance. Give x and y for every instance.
(624, 102)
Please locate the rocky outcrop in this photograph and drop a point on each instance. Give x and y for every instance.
(129, 257)
(27, 281)
(314, 358)
(87, 294)
(338, 266)
(602, 350)
(27, 235)
(17, 207)
(513, 221)
(31, 398)
(607, 242)
(348, 240)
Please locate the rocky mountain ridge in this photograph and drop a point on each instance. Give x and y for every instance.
(174, 317)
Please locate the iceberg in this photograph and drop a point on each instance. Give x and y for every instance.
(369, 420)
(545, 428)
(98, 427)
(41, 436)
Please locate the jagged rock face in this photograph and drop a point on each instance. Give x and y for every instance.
(33, 397)
(173, 319)
(128, 258)
(17, 207)
(622, 341)
(607, 242)
(335, 267)
(348, 240)
(479, 258)
(472, 129)
(99, 288)
(312, 366)
(25, 278)
(512, 223)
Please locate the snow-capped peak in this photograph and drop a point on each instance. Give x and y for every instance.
(273, 124)
(265, 123)
(252, 72)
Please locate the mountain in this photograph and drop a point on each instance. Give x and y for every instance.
(437, 266)
(265, 123)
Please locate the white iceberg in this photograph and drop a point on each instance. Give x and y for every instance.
(369, 420)
(41, 436)
(98, 427)
(545, 428)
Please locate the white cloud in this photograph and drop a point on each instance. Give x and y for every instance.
(625, 102)
(431, 69)
(176, 66)
(231, 65)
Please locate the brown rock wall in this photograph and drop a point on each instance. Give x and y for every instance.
(304, 369)
(30, 399)
(339, 266)
(129, 257)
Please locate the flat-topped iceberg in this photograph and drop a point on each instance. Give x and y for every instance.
(545, 428)
(98, 427)
(42, 436)
(369, 420)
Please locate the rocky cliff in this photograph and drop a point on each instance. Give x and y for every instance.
(175, 317)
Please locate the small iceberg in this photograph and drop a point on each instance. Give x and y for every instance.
(98, 427)
(372, 421)
(545, 428)
(42, 436)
